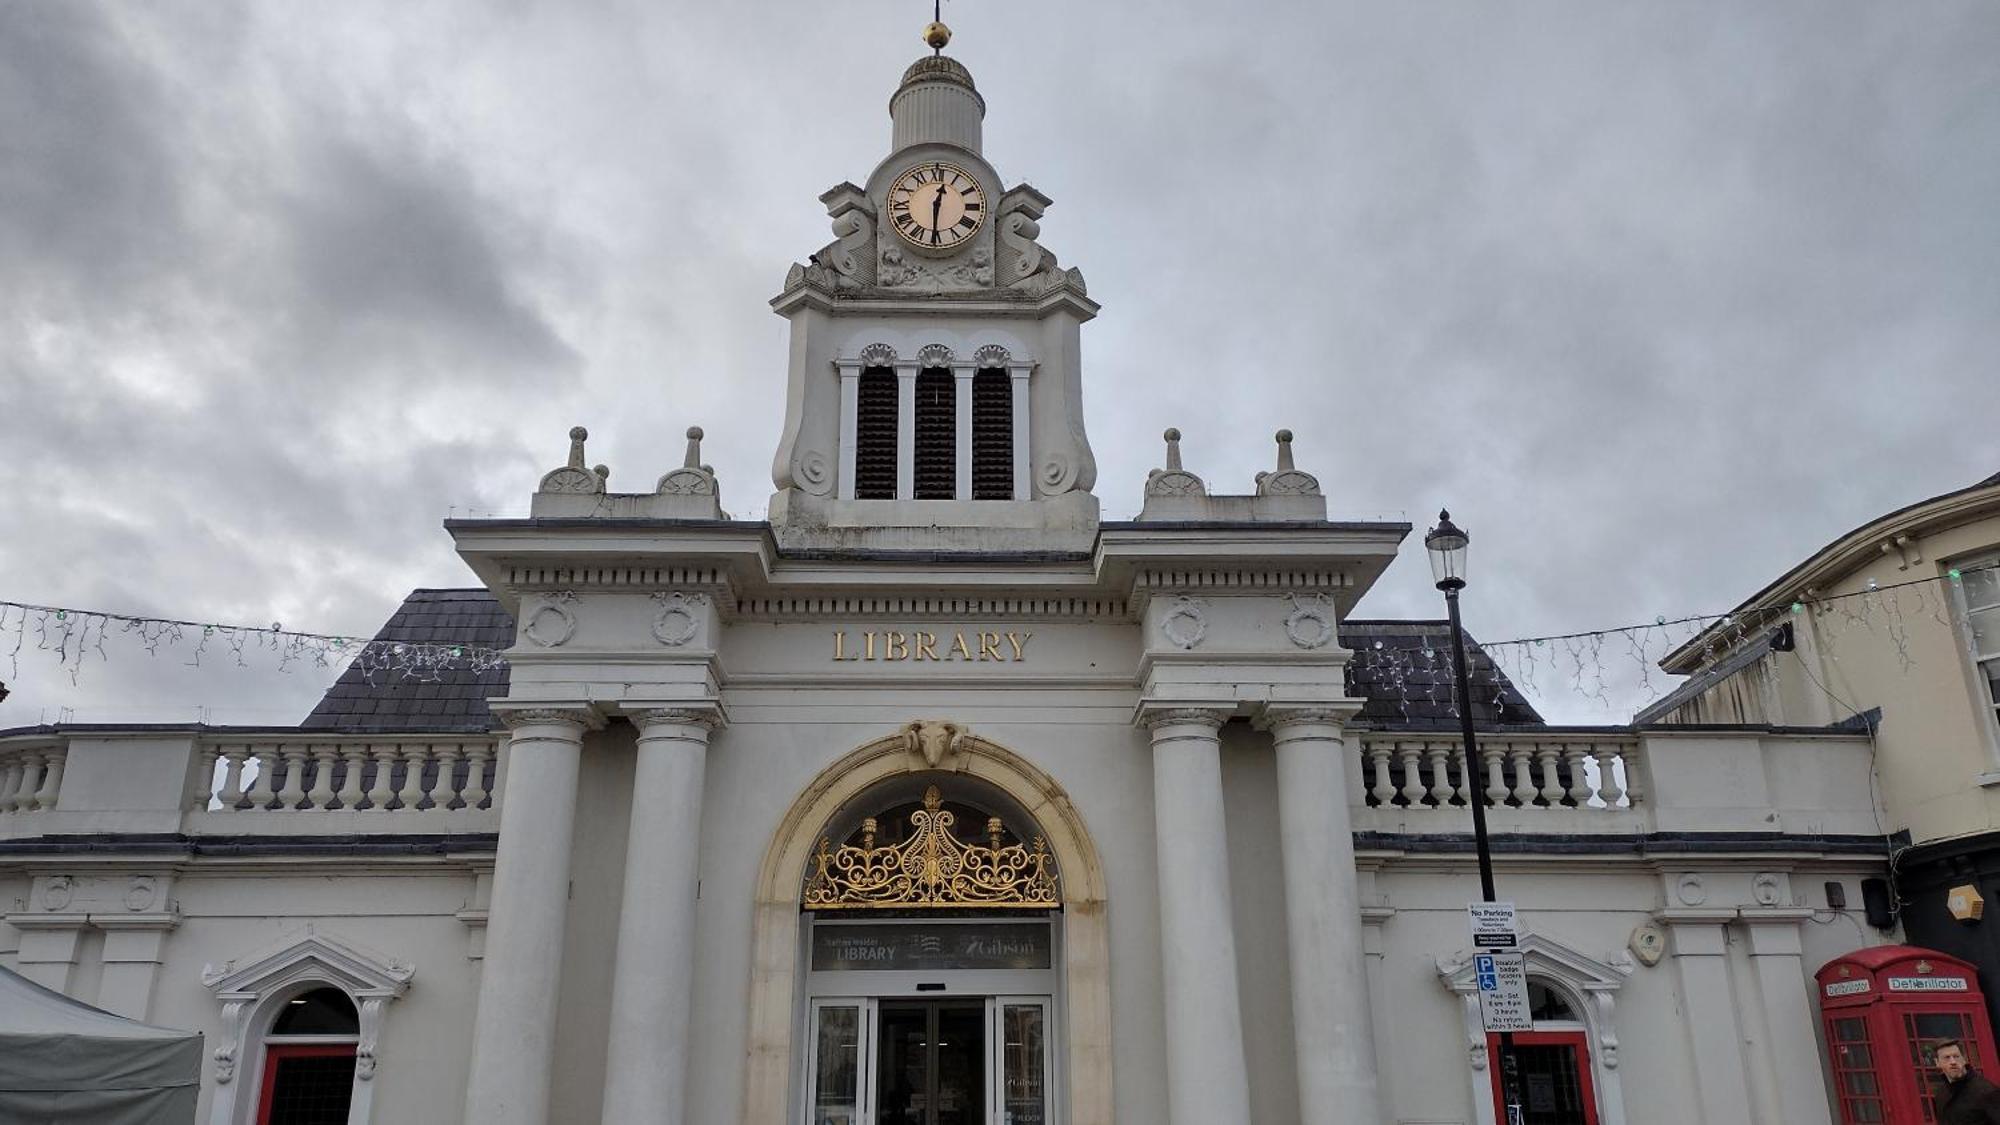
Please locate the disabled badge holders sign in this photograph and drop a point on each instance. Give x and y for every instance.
(1502, 977)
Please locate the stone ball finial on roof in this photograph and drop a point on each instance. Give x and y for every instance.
(1287, 480)
(573, 477)
(1174, 481)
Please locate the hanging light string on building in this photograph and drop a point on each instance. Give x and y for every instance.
(1579, 657)
(1583, 662)
(75, 636)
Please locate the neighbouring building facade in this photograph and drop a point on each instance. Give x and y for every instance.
(935, 799)
(1894, 626)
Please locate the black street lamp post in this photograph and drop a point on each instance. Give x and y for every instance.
(1446, 543)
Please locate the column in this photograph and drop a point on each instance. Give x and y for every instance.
(514, 1033)
(1775, 955)
(906, 431)
(962, 374)
(1701, 954)
(1024, 476)
(850, 413)
(653, 976)
(1330, 1018)
(1207, 1079)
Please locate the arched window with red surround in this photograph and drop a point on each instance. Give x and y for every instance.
(309, 1058)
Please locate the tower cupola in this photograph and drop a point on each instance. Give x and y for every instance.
(935, 395)
(936, 103)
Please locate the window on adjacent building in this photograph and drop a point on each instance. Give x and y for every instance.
(992, 435)
(309, 1057)
(1979, 587)
(875, 435)
(936, 455)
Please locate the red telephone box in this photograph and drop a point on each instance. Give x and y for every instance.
(1886, 1009)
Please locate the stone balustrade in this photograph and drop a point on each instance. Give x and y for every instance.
(1552, 772)
(30, 778)
(408, 774)
(235, 782)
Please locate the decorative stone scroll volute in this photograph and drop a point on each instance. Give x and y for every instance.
(933, 869)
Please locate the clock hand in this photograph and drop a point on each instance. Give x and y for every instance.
(937, 205)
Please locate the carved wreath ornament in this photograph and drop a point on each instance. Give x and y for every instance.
(1310, 624)
(932, 869)
(676, 624)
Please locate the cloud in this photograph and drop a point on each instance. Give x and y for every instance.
(1657, 298)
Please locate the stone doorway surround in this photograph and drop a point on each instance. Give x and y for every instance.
(1086, 974)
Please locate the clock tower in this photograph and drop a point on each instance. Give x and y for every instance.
(934, 397)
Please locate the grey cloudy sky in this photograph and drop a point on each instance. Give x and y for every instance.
(1658, 297)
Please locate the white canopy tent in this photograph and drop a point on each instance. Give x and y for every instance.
(64, 1061)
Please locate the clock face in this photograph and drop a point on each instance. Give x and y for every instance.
(936, 206)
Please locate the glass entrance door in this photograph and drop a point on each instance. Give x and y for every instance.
(985, 1060)
(931, 1063)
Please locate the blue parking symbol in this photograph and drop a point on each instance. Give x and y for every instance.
(1482, 969)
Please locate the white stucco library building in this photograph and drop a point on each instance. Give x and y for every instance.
(934, 798)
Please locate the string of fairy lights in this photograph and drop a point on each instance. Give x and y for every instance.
(75, 638)
(1580, 662)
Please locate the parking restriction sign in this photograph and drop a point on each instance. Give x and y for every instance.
(1502, 978)
(1492, 925)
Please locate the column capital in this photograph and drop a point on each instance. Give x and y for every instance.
(1155, 716)
(708, 716)
(582, 716)
(1282, 718)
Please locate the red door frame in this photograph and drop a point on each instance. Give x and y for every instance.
(1578, 1040)
(274, 1053)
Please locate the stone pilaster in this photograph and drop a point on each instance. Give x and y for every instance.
(1776, 956)
(1700, 942)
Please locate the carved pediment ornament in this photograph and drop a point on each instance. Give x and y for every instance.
(933, 869)
(878, 355)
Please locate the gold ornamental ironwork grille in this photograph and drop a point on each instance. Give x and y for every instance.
(932, 869)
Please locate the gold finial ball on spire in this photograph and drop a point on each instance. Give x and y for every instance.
(937, 35)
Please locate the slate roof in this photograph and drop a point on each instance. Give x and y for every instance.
(455, 702)
(1402, 669)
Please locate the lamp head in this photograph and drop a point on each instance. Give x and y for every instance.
(1446, 544)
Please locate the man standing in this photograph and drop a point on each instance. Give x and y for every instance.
(1966, 1098)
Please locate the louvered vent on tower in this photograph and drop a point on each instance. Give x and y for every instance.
(992, 435)
(937, 435)
(875, 435)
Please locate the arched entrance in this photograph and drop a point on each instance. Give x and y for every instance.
(930, 945)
